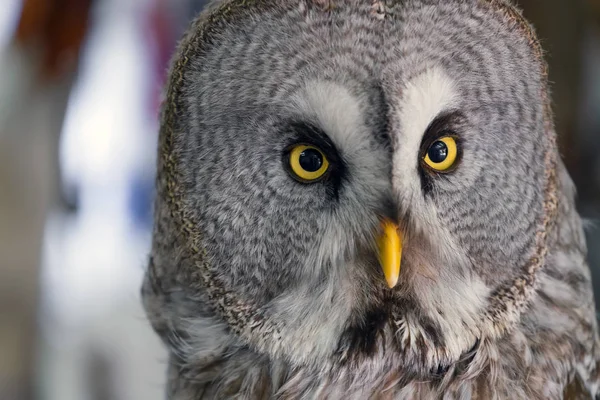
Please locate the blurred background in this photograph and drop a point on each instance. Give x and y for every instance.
(80, 89)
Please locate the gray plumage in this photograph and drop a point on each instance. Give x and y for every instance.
(265, 287)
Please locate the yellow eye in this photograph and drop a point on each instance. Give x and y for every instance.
(308, 163)
(441, 154)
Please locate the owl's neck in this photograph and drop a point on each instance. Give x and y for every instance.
(550, 351)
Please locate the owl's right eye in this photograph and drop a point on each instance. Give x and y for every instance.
(307, 163)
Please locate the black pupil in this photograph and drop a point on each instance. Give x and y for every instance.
(438, 152)
(311, 160)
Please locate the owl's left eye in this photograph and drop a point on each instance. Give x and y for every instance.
(441, 154)
(307, 163)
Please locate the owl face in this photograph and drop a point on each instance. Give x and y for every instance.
(316, 145)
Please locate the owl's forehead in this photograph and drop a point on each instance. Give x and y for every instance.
(269, 55)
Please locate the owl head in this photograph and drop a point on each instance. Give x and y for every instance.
(348, 181)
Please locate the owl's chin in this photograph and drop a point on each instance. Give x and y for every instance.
(414, 346)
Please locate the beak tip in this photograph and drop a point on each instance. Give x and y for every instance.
(392, 282)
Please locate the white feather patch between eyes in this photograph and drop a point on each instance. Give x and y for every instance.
(336, 111)
(340, 113)
(422, 99)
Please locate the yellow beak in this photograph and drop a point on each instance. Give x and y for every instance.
(390, 252)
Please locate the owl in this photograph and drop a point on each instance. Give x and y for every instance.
(364, 200)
